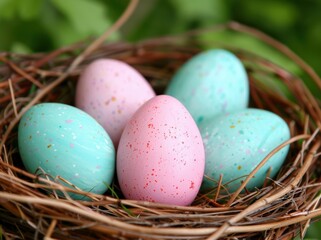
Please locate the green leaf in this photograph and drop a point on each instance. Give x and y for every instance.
(115, 195)
(87, 17)
(200, 10)
(33, 89)
(193, 14)
(272, 13)
(25, 9)
(314, 231)
(3, 2)
(64, 34)
(29, 9)
(8, 8)
(158, 20)
(18, 47)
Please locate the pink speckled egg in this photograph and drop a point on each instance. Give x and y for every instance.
(111, 91)
(160, 156)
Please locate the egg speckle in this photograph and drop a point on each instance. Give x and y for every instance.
(62, 140)
(211, 83)
(236, 143)
(161, 154)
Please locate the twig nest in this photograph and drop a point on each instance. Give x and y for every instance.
(279, 209)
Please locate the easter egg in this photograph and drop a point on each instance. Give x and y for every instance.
(64, 141)
(236, 143)
(160, 157)
(211, 83)
(111, 91)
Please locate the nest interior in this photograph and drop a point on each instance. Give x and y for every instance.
(282, 209)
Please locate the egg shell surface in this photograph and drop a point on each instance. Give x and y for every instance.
(236, 143)
(211, 83)
(161, 155)
(111, 91)
(65, 141)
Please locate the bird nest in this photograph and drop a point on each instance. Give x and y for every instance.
(281, 209)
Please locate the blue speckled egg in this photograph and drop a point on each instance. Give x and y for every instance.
(236, 143)
(211, 83)
(65, 141)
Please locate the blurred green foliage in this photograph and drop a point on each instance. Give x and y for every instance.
(37, 25)
(43, 25)
(314, 232)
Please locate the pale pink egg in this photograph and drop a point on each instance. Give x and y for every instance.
(111, 91)
(160, 156)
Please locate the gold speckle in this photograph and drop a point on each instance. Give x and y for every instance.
(113, 99)
(232, 126)
(49, 146)
(119, 111)
(239, 167)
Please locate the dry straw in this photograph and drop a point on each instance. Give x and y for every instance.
(283, 208)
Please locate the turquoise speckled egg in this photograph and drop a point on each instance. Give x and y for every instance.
(236, 143)
(211, 83)
(65, 141)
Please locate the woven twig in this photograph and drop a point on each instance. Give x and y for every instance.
(283, 208)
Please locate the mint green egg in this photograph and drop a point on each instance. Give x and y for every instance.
(211, 83)
(64, 141)
(236, 143)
